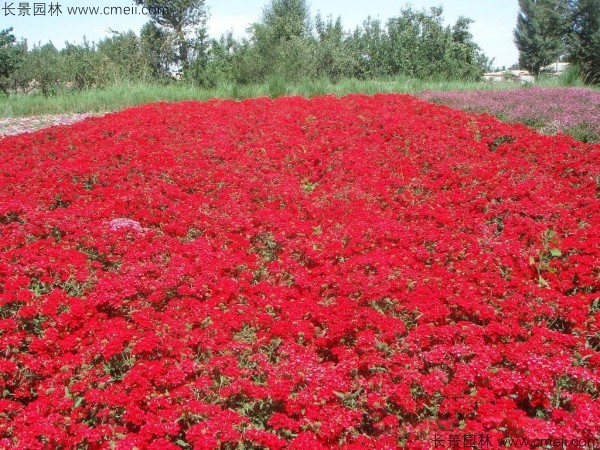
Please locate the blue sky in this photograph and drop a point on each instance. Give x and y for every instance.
(494, 20)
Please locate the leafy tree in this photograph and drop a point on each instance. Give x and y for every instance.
(585, 46)
(415, 43)
(367, 44)
(334, 60)
(221, 64)
(281, 43)
(286, 20)
(11, 56)
(157, 49)
(465, 59)
(181, 18)
(121, 58)
(44, 66)
(418, 44)
(81, 64)
(542, 26)
(199, 55)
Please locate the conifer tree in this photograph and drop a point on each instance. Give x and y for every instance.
(540, 34)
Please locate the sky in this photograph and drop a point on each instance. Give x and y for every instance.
(494, 20)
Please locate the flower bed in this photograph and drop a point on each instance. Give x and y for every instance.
(363, 272)
(574, 111)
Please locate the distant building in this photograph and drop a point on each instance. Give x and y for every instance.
(515, 76)
(555, 68)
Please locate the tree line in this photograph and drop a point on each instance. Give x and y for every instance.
(287, 42)
(551, 30)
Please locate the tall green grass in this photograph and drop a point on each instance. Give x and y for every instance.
(124, 94)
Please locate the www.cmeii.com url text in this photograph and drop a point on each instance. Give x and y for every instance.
(28, 9)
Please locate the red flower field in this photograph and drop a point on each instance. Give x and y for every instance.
(356, 272)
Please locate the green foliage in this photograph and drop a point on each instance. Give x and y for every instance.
(334, 58)
(277, 86)
(220, 64)
(198, 53)
(280, 45)
(179, 18)
(585, 46)
(540, 34)
(368, 48)
(283, 48)
(584, 132)
(549, 29)
(417, 44)
(11, 56)
(80, 65)
(156, 47)
(43, 65)
(121, 57)
(286, 20)
(548, 252)
(127, 93)
(572, 76)
(420, 46)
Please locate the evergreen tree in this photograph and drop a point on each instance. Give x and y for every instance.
(542, 26)
(585, 45)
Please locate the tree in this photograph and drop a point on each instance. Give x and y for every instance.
(122, 58)
(81, 65)
(367, 44)
(43, 63)
(281, 44)
(418, 44)
(156, 47)
(584, 49)
(219, 66)
(542, 26)
(182, 18)
(199, 55)
(468, 61)
(334, 58)
(287, 19)
(11, 55)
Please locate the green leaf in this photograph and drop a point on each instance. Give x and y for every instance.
(556, 253)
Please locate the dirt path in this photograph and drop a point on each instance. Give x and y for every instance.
(16, 125)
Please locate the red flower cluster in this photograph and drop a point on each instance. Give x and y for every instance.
(363, 272)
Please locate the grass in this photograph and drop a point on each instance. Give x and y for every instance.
(126, 94)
